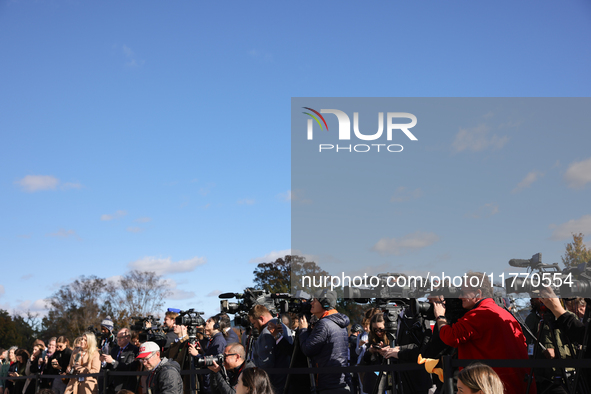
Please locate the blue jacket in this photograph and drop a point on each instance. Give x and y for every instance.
(327, 345)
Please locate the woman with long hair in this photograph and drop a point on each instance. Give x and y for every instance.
(84, 360)
(8, 385)
(254, 381)
(377, 339)
(478, 378)
(18, 369)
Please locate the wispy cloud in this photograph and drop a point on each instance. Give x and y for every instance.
(409, 243)
(214, 293)
(574, 226)
(246, 201)
(176, 293)
(299, 196)
(25, 236)
(528, 180)
(33, 306)
(37, 183)
(477, 139)
(117, 215)
(131, 60)
(403, 194)
(163, 266)
(285, 196)
(62, 233)
(143, 220)
(1, 290)
(578, 174)
(135, 229)
(271, 256)
(27, 277)
(484, 211)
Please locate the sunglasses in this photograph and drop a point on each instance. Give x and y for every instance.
(378, 330)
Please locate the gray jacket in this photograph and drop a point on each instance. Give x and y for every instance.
(166, 378)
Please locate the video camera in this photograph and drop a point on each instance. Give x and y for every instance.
(191, 320)
(568, 283)
(149, 329)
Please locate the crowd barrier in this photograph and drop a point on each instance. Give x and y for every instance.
(448, 365)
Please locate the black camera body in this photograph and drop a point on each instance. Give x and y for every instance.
(192, 320)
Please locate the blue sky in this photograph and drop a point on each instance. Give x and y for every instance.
(136, 134)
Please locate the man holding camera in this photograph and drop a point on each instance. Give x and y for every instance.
(224, 382)
(485, 332)
(326, 344)
(165, 377)
(121, 359)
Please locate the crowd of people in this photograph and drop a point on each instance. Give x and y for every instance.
(260, 361)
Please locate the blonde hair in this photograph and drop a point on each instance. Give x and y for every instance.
(91, 342)
(478, 376)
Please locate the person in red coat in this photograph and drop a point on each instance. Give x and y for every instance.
(486, 332)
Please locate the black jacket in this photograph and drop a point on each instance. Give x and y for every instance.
(123, 361)
(166, 378)
(221, 384)
(327, 344)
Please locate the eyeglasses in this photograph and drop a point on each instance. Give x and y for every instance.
(231, 354)
(143, 360)
(377, 329)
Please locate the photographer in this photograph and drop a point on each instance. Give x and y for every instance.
(234, 364)
(569, 324)
(327, 343)
(485, 332)
(179, 352)
(121, 359)
(213, 346)
(272, 347)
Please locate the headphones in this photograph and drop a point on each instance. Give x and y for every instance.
(216, 324)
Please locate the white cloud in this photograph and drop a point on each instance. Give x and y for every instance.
(214, 293)
(246, 201)
(285, 196)
(162, 266)
(574, 226)
(271, 257)
(408, 243)
(131, 58)
(33, 306)
(35, 183)
(478, 139)
(176, 293)
(114, 279)
(62, 233)
(71, 185)
(578, 174)
(117, 215)
(143, 220)
(403, 194)
(298, 196)
(528, 180)
(1, 290)
(135, 229)
(484, 211)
